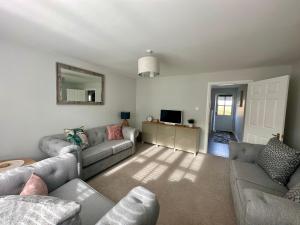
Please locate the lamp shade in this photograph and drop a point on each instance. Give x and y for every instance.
(148, 66)
(125, 115)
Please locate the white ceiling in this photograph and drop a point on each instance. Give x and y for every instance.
(189, 36)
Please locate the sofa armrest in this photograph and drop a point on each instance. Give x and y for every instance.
(245, 152)
(264, 208)
(54, 146)
(131, 134)
(138, 207)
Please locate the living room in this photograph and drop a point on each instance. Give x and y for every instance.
(193, 48)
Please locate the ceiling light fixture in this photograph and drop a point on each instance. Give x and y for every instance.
(148, 66)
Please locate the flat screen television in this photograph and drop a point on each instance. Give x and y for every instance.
(171, 116)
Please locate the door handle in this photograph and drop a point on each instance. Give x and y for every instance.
(276, 135)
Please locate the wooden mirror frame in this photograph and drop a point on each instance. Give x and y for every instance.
(59, 101)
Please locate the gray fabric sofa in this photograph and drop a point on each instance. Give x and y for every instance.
(101, 153)
(258, 200)
(61, 176)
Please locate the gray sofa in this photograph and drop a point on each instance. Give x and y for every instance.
(258, 200)
(101, 153)
(61, 176)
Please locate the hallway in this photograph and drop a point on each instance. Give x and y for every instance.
(218, 143)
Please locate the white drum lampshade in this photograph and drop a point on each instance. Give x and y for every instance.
(148, 66)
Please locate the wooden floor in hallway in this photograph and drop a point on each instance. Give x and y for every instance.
(218, 143)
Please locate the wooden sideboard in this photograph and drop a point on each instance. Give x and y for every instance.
(178, 137)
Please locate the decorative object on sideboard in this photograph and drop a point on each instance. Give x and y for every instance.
(149, 118)
(76, 86)
(191, 122)
(148, 66)
(125, 116)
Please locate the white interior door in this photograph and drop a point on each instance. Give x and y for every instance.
(265, 109)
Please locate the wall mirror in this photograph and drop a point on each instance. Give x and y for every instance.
(78, 86)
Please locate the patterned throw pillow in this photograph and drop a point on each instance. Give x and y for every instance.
(114, 132)
(78, 137)
(278, 160)
(294, 193)
(35, 186)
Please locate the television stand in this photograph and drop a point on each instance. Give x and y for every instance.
(177, 137)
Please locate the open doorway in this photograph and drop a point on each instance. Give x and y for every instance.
(227, 117)
(261, 114)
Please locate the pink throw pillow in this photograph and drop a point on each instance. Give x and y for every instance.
(35, 186)
(114, 132)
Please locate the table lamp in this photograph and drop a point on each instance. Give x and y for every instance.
(125, 116)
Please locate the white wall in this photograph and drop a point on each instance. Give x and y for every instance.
(292, 123)
(240, 113)
(28, 100)
(190, 91)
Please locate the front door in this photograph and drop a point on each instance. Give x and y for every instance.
(266, 109)
(224, 113)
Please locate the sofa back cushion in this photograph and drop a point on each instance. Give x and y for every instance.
(279, 160)
(54, 171)
(96, 135)
(12, 181)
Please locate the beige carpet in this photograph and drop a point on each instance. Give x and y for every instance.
(191, 190)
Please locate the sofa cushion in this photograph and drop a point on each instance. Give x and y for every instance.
(278, 160)
(267, 209)
(96, 153)
(93, 205)
(243, 185)
(36, 209)
(120, 145)
(294, 193)
(254, 174)
(294, 179)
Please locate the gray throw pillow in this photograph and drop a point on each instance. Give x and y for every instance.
(294, 193)
(37, 209)
(278, 160)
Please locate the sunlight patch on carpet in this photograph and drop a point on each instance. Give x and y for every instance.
(150, 172)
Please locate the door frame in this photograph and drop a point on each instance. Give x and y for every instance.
(208, 104)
